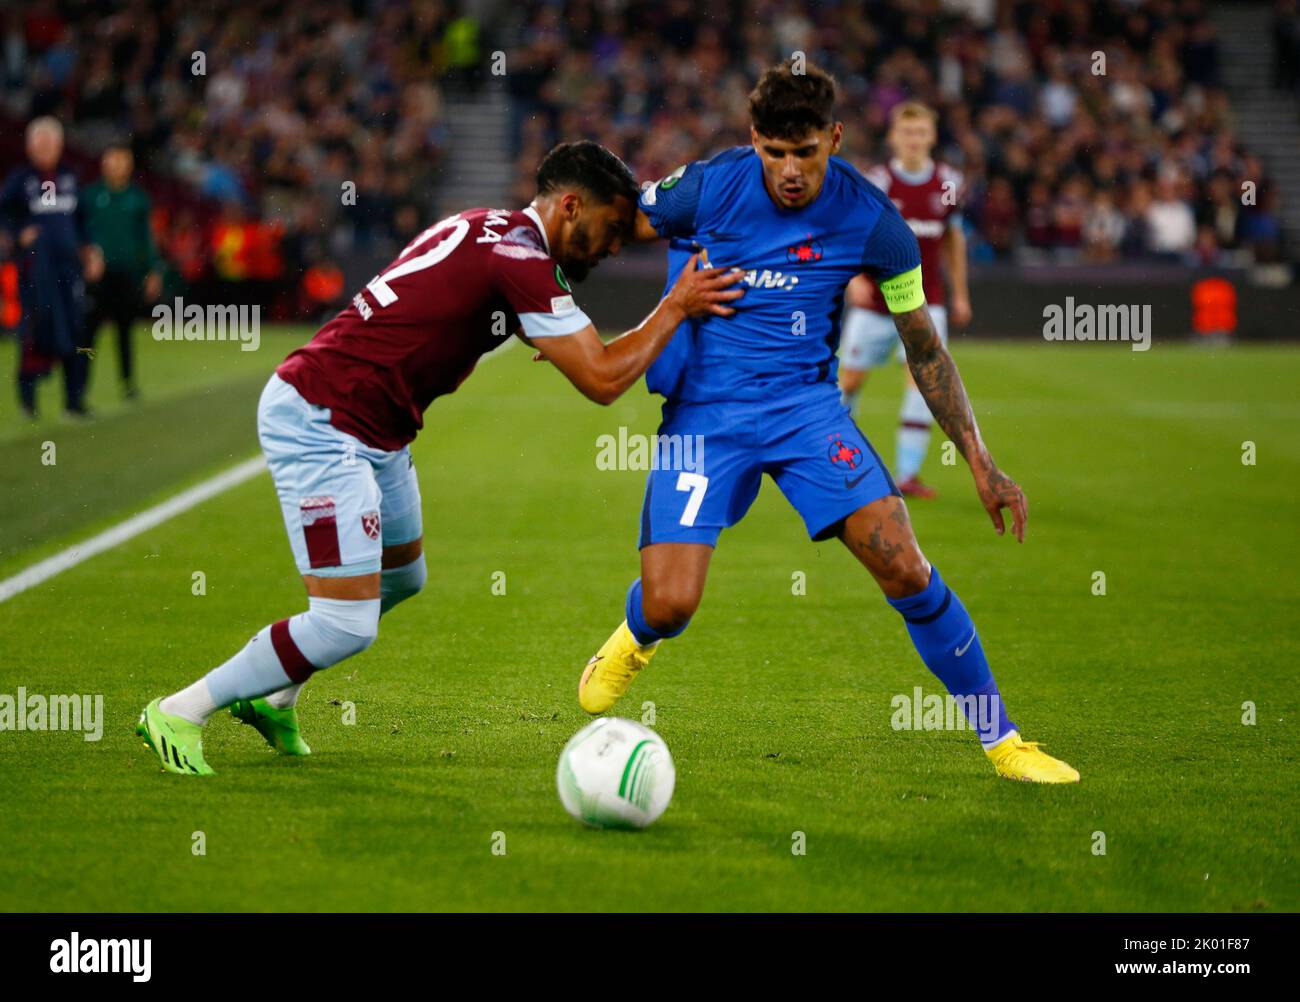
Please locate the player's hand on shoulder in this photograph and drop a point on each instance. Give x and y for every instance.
(703, 291)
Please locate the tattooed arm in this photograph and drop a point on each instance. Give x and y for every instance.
(940, 383)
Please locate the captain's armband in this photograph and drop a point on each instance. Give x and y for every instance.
(903, 293)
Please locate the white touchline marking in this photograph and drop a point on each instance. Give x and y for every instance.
(41, 572)
(132, 527)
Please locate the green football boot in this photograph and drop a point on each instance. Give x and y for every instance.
(279, 727)
(177, 742)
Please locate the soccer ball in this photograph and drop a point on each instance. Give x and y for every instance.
(615, 773)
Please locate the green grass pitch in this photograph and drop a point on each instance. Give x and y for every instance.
(776, 706)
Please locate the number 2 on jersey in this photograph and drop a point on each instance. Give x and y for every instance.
(454, 229)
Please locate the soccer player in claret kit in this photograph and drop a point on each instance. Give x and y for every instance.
(337, 418)
(928, 194)
(759, 387)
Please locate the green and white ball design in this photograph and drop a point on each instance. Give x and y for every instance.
(616, 773)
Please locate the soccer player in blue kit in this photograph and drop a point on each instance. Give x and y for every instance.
(759, 389)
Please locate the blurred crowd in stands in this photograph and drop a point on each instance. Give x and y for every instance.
(1066, 158)
(248, 118)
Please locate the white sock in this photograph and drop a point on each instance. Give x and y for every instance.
(331, 630)
(193, 703)
(254, 670)
(914, 423)
(285, 697)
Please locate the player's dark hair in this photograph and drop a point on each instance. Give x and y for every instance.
(588, 166)
(788, 105)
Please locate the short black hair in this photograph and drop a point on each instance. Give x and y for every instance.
(789, 105)
(588, 166)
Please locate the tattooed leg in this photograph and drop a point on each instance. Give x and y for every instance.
(880, 536)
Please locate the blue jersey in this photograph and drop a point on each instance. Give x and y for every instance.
(797, 263)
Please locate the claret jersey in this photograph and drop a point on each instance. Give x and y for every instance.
(930, 201)
(416, 331)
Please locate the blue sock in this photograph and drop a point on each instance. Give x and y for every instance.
(643, 631)
(945, 637)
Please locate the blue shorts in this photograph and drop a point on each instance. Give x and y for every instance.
(343, 501)
(806, 442)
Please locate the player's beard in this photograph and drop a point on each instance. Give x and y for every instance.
(578, 261)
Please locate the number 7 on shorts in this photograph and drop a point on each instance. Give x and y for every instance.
(697, 484)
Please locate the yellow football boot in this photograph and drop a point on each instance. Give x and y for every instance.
(608, 675)
(1017, 759)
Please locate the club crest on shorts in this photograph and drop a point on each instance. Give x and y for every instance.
(842, 454)
(370, 523)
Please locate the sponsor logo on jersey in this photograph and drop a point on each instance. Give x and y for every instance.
(767, 279)
(562, 304)
(927, 228)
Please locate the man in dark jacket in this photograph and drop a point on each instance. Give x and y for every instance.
(41, 210)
